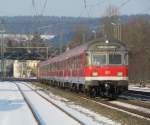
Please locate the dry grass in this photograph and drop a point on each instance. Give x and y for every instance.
(137, 102)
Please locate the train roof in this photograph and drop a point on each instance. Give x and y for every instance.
(105, 44)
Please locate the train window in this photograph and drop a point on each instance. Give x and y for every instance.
(115, 59)
(72, 64)
(49, 67)
(126, 59)
(88, 59)
(77, 63)
(99, 60)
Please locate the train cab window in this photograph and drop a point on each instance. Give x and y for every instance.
(126, 59)
(115, 59)
(99, 60)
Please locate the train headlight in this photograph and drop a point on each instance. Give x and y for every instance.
(95, 73)
(120, 74)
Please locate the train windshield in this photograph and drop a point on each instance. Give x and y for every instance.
(115, 59)
(99, 60)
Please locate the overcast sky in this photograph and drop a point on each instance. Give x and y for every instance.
(94, 8)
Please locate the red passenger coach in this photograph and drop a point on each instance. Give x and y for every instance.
(98, 67)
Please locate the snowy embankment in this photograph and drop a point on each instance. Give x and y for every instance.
(86, 116)
(138, 88)
(13, 108)
(130, 106)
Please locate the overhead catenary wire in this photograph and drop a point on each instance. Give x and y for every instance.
(44, 7)
(88, 8)
(84, 9)
(34, 7)
(96, 4)
(127, 1)
(39, 7)
(146, 10)
(124, 3)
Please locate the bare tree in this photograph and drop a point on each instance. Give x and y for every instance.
(81, 36)
(110, 22)
(136, 37)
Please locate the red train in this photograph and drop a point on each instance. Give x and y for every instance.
(98, 67)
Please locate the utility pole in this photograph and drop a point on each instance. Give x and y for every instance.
(61, 42)
(47, 53)
(2, 50)
(94, 32)
(117, 31)
(83, 37)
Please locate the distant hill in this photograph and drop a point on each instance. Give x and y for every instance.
(45, 24)
(55, 25)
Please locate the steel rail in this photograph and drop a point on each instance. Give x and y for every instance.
(119, 108)
(80, 122)
(29, 105)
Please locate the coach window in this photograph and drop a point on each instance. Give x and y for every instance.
(81, 61)
(60, 65)
(57, 66)
(87, 59)
(78, 63)
(45, 68)
(63, 65)
(69, 63)
(52, 69)
(73, 63)
(54, 66)
(49, 67)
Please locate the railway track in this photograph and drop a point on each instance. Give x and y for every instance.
(145, 96)
(123, 109)
(29, 105)
(120, 108)
(34, 114)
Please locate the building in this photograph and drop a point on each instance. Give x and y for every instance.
(25, 69)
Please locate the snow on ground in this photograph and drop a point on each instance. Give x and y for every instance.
(86, 116)
(138, 88)
(13, 109)
(47, 113)
(130, 106)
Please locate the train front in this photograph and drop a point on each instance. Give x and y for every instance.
(106, 72)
